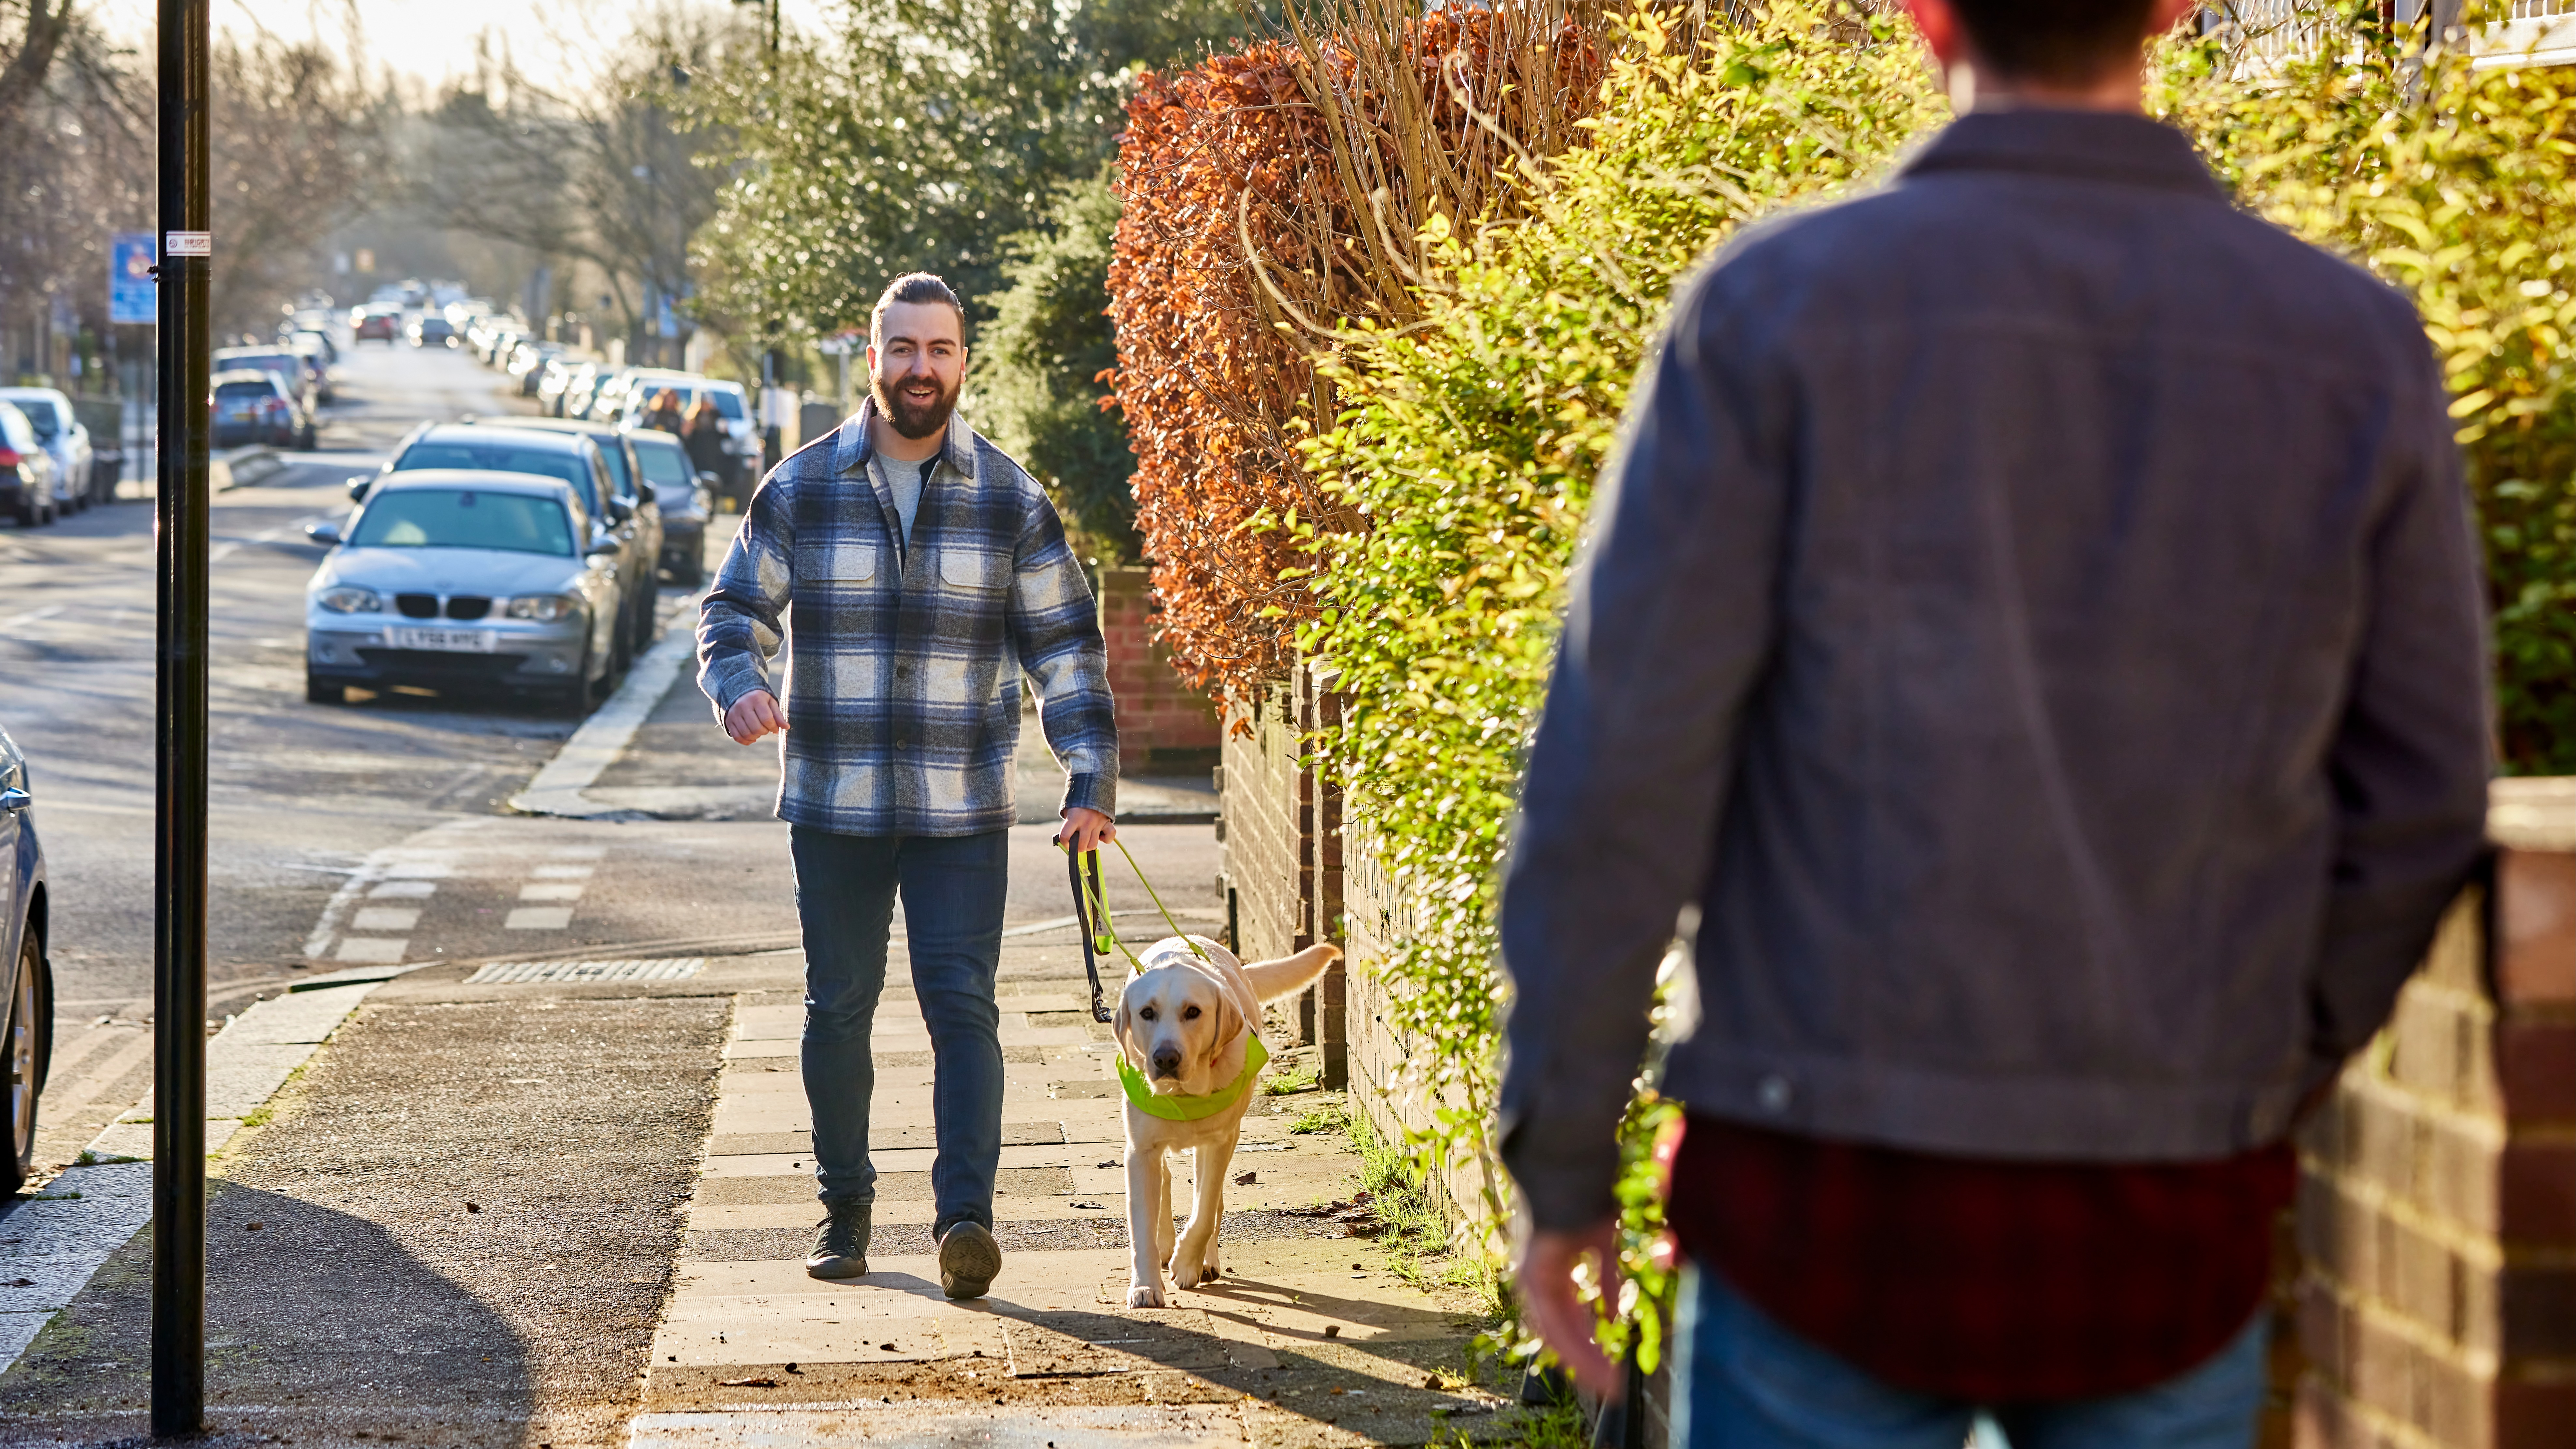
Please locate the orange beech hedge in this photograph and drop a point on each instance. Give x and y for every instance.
(1272, 196)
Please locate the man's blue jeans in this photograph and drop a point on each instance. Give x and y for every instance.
(1741, 1381)
(953, 894)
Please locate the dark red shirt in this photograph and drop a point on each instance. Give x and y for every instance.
(1984, 1280)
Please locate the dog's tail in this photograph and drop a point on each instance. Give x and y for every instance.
(1274, 979)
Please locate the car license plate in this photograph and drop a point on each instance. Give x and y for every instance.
(451, 641)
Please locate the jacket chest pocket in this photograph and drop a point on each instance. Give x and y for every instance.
(973, 569)
(842, 563)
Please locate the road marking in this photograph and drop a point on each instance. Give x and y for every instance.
(551, 891)
(669, 968)
(561, 872)
(538, 918)
(373, 949)
(404, 890)
(234, 546)
(385, 918)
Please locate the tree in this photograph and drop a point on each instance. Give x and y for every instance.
(917, 137)
(593, 168)
(294, 139)
(1040, 393)
(48, 22)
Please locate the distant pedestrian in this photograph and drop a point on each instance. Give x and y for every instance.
(916, 572)
(703, 434)
(2034, 618)
(664, 414)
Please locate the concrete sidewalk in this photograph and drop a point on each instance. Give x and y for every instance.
(1307, 1340)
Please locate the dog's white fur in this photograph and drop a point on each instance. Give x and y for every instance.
(1198, 1016)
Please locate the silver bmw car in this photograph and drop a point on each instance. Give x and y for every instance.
(462, 580)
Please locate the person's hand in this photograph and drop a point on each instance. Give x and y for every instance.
(1085, 830)
(1560, 1318)
(754, 717)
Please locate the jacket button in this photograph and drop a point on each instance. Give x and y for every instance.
(1773, 1092)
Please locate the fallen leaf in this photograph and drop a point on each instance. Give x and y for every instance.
(887, 1347)
(474, 1207)
(1333, 1330)
(1092, 1205)
(253, 1227)
(1111, 1163)
(755, 1383)
(1244, 1179)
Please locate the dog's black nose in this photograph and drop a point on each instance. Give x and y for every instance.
(1167, 1064)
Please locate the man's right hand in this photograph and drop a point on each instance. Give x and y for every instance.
(755, 717)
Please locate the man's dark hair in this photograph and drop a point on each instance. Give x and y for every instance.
(2068, 42)
(915, 287)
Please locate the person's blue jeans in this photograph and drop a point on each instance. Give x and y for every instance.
(1741, 1381)
(953, 893)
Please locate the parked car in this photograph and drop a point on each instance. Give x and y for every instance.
(597, 469)
(742, 432)
(632, 501)
(297, 373)
(464, 579)
(527, 364)
(379, 322)
(60, 434)
(562, 375)
(685, 498)
(431, 330)
(27, 1018)
(26, 470)
(581, 399)
(317, 351)
(251, 407)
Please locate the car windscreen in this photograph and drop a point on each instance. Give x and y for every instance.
(500, 458)
(665, 466)
(284, 362)
(464, 518)
(245, 389)
(40, 416)
(728, 402)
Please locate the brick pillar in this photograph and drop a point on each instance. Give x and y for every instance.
(2437, 1209)
(1164, 726)
(1319, 711)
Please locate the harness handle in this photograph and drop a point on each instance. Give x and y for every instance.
(1091, 917)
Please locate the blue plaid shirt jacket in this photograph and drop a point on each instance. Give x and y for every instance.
(903, 689)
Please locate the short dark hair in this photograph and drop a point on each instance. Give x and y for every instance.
(915, 287)
(2065, 41)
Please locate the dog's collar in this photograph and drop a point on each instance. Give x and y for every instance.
(1178, 1108)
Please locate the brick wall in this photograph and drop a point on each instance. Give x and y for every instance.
(1164, 726)
(1279, 838)
(2437, 1211)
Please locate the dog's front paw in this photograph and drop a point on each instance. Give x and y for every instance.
(1144, 1295)
(1189, 1270)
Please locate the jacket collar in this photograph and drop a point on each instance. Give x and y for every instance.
(2083, 145)
(855, 439)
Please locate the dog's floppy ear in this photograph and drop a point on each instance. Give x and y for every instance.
(1229, 1019)
(1122, 1032)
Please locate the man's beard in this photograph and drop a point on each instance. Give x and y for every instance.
(913, 420)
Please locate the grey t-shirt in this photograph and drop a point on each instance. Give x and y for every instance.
(905, 482)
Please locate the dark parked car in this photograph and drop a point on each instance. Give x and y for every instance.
(26, 471)
(27, 1017)
(432, 332)
(298, 375)
(381, 323)
(632, 502)
(251, 407)
(685, 498)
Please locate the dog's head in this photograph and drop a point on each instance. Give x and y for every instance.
(1173, 1021)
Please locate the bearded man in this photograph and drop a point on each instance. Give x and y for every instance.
(920, 571)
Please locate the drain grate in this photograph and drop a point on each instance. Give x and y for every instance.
(664, 968)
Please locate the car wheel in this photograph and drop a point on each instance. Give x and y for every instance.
(322, 691)
(583, 696)
(691, 573)
(29, 1044)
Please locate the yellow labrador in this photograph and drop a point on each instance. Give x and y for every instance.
(1188, 1033)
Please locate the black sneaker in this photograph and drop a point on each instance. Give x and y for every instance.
(841, 1241)
(968, 1260)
